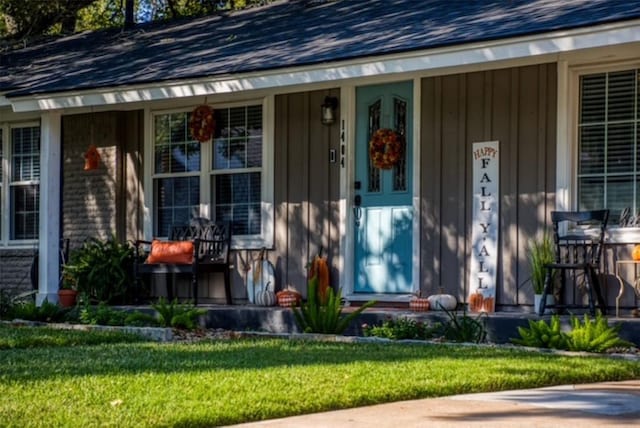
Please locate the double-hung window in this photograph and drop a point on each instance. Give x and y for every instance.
(608, 155)
(222, 179)
(20, 183)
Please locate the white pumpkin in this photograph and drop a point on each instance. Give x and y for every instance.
(266, 297)
(439, 302)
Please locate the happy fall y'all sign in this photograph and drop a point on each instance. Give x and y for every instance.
(484, 232)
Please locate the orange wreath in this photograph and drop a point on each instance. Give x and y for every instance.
(202, 123)
(386, 148)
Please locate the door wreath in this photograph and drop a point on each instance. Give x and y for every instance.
(202, 123)
(386, 148)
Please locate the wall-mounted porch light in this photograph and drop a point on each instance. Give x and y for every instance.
(328, 110)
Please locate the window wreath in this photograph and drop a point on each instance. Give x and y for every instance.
(202, 123)
(386, 148)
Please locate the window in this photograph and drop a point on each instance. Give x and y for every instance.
(237, 168)
(608, 165)
(20, 183)
(223, 179)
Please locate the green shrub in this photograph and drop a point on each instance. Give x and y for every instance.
(174, 314)
(463, 328)
(403, 328)
(140, 319)
(6, 304)
(539, 334)
(47, 312)
(589, 336)
(101, 270)
(102, 315)
(314, 316)
(594, 335)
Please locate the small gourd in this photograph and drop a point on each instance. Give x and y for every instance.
(442, 301)
(635, 253)
(419, 304)
(266, 297)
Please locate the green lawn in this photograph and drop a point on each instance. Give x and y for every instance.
(64, 382)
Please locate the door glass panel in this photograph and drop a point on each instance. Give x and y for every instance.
(400, 123)
(374, 124)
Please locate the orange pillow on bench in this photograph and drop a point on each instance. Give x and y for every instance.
(171, 252)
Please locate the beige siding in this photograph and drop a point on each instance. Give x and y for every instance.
(516, 107)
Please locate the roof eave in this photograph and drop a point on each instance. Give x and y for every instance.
(535, 46)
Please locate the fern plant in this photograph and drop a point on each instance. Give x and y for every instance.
(324, 315)
(594, 335)
(174, 314)
(542, 335)
(101, 270)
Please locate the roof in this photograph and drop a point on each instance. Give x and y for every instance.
(286, 34)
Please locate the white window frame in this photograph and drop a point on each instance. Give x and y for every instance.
(266, 238)
(6, 184)
(567, 141)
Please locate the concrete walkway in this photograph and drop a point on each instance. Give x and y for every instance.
(612, 404)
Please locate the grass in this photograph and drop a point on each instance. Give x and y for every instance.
(123, 383)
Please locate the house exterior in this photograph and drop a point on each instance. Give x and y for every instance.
(538, 98)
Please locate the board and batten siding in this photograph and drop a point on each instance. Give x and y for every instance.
(307, 188)
(516, 107)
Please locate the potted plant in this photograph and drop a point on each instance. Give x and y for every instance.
(67, 293)
(540, 253)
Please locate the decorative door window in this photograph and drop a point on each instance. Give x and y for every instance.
(399, 125)
(374, 124)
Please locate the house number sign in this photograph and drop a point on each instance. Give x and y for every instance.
(484, 232)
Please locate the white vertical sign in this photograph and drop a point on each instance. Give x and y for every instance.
(484, 232)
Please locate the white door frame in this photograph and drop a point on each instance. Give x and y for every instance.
(347, 176)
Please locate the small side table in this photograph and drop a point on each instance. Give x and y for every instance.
(636, 281)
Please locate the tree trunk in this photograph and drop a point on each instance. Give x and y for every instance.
(129, 19)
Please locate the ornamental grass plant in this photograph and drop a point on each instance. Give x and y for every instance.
(540, 252)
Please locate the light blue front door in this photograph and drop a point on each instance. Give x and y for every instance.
(382, 204)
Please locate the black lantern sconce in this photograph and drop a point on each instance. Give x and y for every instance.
(328, 110)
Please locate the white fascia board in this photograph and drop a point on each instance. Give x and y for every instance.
(419, 61)
(4, 102)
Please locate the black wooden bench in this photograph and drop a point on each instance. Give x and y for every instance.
(211, 242)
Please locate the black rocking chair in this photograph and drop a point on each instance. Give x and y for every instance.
(578, 241)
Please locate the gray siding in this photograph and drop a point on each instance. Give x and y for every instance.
(306, 188)
(517, 107)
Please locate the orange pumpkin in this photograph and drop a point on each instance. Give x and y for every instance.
(489, 304)
(475, 301)
(635, 254)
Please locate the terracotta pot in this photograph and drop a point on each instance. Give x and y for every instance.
(67, 298)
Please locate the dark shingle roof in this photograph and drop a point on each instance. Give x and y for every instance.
(285, 34)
